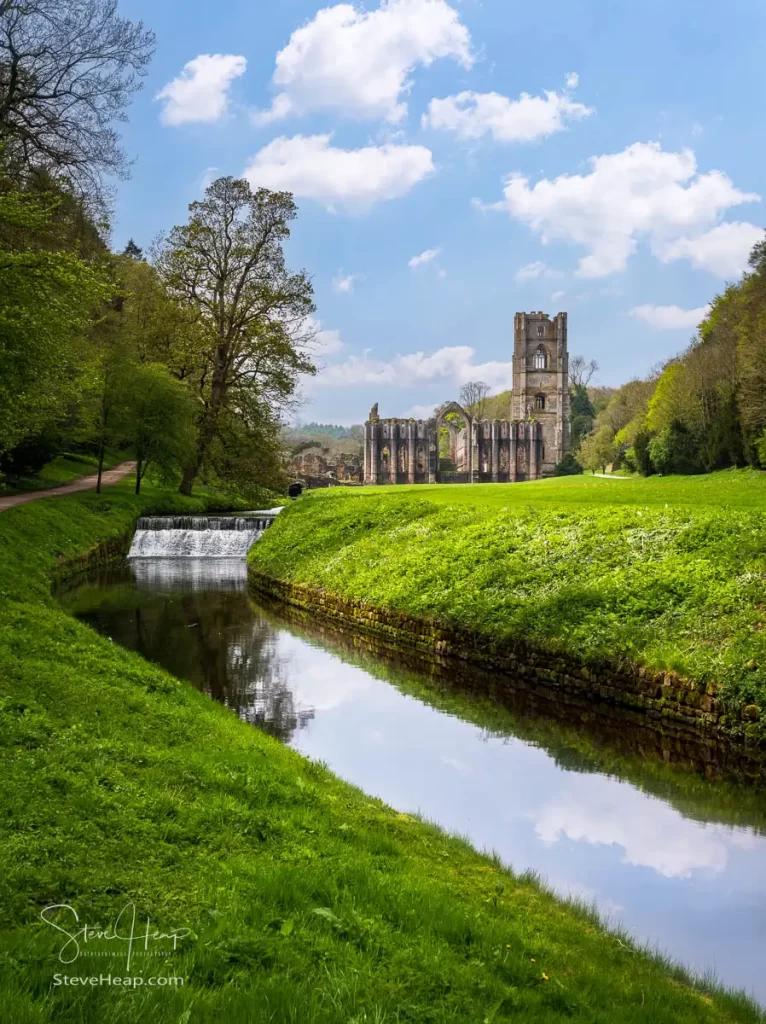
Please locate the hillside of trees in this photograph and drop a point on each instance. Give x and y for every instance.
(188, 358)
(703, 410)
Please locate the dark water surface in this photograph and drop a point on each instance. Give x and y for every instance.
(679, 861)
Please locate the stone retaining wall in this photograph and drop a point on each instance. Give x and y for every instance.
(673, 704)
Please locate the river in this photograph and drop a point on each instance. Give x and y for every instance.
(677, 860)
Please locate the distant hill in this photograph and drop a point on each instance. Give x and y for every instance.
(325, 430)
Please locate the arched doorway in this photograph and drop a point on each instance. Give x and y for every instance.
(453, 456)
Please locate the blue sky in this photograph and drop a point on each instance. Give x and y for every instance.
(455, 162)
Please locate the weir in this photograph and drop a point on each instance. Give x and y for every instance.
(198, 536)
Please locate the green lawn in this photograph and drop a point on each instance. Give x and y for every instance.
(306, 900)
(740, 488)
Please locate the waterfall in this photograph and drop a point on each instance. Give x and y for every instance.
(197, 536)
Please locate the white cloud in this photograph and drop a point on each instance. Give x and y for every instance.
(420, 412)
(309, 166)
(531, 271)
(670, 318)
(360, 62)
(208, 177)
(472, 115)
(454, 363)
(442, 274)
(200, 92)
(323, 342)
(639, 192)
(557, 295)
(723, 251)
(573, 80)
(423, 258)
(343, 284)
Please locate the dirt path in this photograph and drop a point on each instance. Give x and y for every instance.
(83, 483)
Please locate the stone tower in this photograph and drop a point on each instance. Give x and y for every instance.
(541, 380)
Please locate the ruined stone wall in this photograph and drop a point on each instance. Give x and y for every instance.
(407, 451)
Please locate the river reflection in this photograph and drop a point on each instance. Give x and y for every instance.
(679, 861)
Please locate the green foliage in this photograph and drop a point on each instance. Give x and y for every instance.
(674, 450)
(47, 303)
(307, 899)
(706, 410)
(156, 420)
(581, 414)
(663, 585)
(324, 430)
(226, 268)
(568, 466)
(498, 407)
(598, 449)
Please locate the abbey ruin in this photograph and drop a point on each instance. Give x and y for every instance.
(454, 447)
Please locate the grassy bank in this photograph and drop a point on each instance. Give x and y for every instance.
(305, 899)
(672, 587)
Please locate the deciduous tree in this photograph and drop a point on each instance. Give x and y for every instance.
(226, 264)
(473, 398)
(157, 420)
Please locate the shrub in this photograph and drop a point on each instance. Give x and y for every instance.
(568, 466)
(674, 450)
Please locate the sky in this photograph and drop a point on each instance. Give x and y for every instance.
(456, 162)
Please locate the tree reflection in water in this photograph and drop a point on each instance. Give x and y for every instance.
(194, 618)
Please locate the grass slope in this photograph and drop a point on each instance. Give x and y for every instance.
(673, 587)
(308, 901)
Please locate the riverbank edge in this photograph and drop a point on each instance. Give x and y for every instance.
(667, 701)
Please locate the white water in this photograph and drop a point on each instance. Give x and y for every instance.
(197, 536)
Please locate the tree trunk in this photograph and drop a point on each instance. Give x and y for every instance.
(187, 481)
(205, 436)
(100, 466)
(138, 476)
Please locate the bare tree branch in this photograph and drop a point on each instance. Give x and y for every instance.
(473, 398)
(68, 69)
(581, 371)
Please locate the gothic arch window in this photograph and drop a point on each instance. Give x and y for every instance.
(539, 401)
(540, 331)
(384, 457)
(541, 358)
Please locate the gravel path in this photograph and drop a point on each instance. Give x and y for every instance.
(83, 483)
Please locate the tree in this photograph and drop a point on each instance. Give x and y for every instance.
(48, 302)
(68, 69)
(581, 414)
(581, 371)
(473, 398)
(227, 265)
(674, 450)
(598, 450)
(134, 251)
(156, 420)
